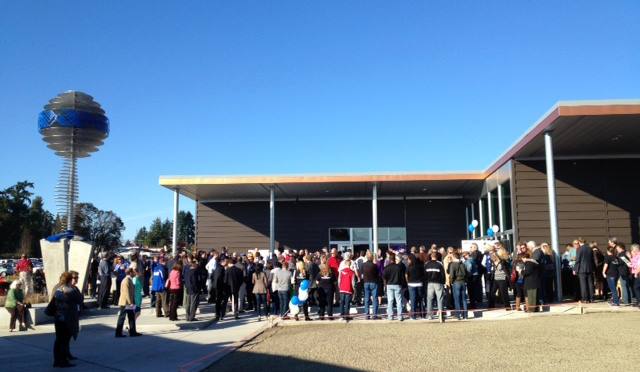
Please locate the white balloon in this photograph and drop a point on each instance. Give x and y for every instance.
(303, 295)
(495, 228)
(293, 309)
(474, 223)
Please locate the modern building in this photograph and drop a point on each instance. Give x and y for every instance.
(575, 173)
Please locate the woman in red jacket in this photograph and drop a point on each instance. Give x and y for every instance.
(346, 279)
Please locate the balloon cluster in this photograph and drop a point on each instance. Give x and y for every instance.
(491, 232)
(473, 225)
(297, 301)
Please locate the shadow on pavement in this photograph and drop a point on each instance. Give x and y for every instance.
(246, 361)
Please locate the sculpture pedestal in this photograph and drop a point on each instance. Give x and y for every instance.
(63, 256)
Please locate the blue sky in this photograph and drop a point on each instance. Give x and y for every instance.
(255, 87)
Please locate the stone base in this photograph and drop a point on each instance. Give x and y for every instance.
(63, 256)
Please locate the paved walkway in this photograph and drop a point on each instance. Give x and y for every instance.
(165, 345)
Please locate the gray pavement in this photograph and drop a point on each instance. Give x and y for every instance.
(165, 345)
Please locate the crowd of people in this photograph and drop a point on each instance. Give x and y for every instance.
(418, 282)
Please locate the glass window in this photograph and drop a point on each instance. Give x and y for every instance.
(495, 208)
(361, 234)
(339, 235)
(476, 212)
(485, 217)
(383, 234)
(506, 206)
(397, 234)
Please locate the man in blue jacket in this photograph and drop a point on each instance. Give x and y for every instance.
(160, 276)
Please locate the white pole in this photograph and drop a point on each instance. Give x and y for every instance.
(374, 215)
(176, 206)
(466, 218)
(553, 212)
(272, 220)
(473, 217)
(482, 230)
(500, 206)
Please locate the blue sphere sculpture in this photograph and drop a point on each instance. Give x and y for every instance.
(73, 125)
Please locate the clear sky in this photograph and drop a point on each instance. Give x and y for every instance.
(262, 87)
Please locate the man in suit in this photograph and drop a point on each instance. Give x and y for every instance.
(218, 288)
(233, 280)
(583, 268)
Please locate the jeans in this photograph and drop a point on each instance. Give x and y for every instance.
(434, 290)
(325, 302)
(625, 289)
(503, 290)
(283, 297)
(460, 299)
(394, 292)
(61, 344)
(612, 281)
(173, 303)
(415, 298)
(261, 301)
(371, 294)
(345, 303)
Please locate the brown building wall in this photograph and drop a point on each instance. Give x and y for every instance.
(305, 224)
(595, 198)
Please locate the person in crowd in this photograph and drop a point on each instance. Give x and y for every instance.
(446, 261)
(517, 278)
(127, 305)
(624, 273)
(583, 268)
(299, 275)
(635, 270)
(598, 262)
(473, 264)
(104, 275)
(148, 270)
(488, 276)
(281, 284)
(334, 264)
(371, 278)
(24, 268)
(39, 282)
(138, 292)
(75, 277)
(415, 277)
(259, 284)
(569, 287)
(501, 273)
(610, 271)
(326, 284)
(174, 286)
(66, 321)
(220, 294)
(458, 274)
(435, 278)
(92, 276)
(250, 268)
(211, 266)
(15, 305)
(119, 271)
(548, 272)
(233, 280)
(192, 286)
(531, 274)
(313, 269)
(346, 285)
(160, 276)
(393, 279)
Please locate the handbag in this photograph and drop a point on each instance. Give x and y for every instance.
(51, 308)
(514, 276)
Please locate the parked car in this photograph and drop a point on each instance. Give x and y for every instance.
(7, 269)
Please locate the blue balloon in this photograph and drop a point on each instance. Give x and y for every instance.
(304, 285)
(490, 232)
(295, 300)
(471, 228)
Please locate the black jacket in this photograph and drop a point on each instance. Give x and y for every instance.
(584, 260)
(394, 274)
(370, 272)
(434, 272)
(218, 277)
(531, 275)
(233, 278)
(191, 281)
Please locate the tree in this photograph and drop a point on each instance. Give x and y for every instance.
(39, 225)
(186, 228)
(14, 215)
(103, 228)
(160, 233)
(141, 236)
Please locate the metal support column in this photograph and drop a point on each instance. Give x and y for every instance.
(482, 230)
(272, 219)
(374, 214)
(490, 209)
(176, 206)
(500, 209)
(466, 218)
(473, 217)
(553, 212)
